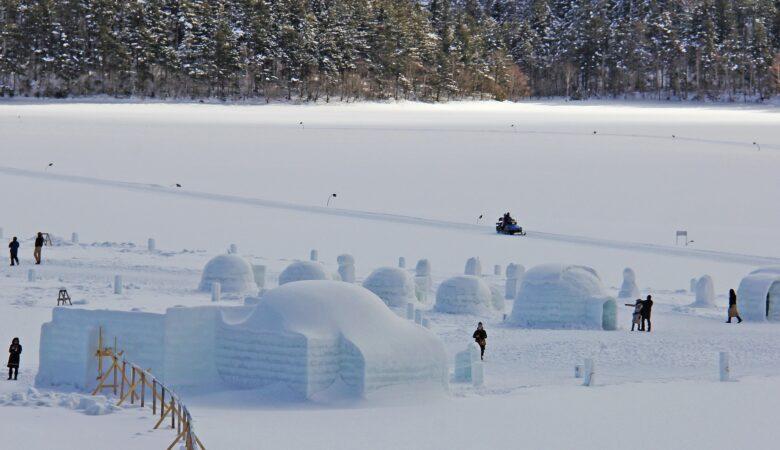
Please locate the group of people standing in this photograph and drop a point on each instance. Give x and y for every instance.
(642, 312)
(13, 246)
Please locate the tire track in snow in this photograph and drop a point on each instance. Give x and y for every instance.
(394, 218)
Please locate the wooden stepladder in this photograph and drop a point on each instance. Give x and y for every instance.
(135, 387)
(63, 297)
(47, 240)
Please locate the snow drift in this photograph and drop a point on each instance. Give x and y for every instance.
(563, 296)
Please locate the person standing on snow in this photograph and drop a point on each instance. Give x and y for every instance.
(38, 247)
(15, 351)
(637, 315)
(480, 336)
(647, 309)
(733, 311)
(14, 246)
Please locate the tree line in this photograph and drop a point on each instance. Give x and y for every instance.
(432, 50)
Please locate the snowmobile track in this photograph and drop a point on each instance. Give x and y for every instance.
(394, 218)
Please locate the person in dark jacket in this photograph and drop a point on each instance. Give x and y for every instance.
(14, 246)
(38, 247)
(647, 309)
(15, 351)
(480, 336)
(733, 311)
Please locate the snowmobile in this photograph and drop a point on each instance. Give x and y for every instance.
(510, 227)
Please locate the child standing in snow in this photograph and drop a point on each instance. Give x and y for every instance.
(480, 336)
(15, 351)
(637, 316)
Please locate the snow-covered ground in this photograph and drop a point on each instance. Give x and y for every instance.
(411, 181)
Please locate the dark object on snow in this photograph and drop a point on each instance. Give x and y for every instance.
(63, 297)
(39, 241)
(15, 352)
(480, 336)
(647, 309)
(508, 225)
(178, 185)
(14, 246)
(733, 311)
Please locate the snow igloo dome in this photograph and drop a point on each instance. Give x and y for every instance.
(312, 335)
(563, 296)
(233, 273)
(303, 270)
(758, 295)
(393, 285)
(464, 294)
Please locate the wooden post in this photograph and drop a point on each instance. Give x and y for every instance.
(143, 388)
(162, 404)
(132, 385)
(179, 424)
(173, 413)
(154, 396)
(122, 390)
(115, 368)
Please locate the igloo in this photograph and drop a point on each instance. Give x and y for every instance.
(394, 286)
(233, 273)
(464, 294)
(563, 296)
(705, 292)
(758, 295)
(303, 270)
(629, 289)
(312, 335)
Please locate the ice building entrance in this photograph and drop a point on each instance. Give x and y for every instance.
(773, 302)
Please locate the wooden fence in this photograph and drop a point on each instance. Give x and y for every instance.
(138, 387)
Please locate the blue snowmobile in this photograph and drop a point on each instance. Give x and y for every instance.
(508, 225)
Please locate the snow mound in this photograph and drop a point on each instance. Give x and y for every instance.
(303, 270)
(464, 294)
(563, 296)
(629, 289)
(233, 273)
(311, 334)
(705, 293)
(758, 295)
(90, 405)
(394, 286)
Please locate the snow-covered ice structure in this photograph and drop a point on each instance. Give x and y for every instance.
(423, 280)
(233, 273)
(473, 267)
(307, 337)
(705, 292)
(346, 264)
(314, 334)
(628, 289)
(563, 296)
(394, 286)
(302, 271)
(514, 275)
(758, 295)
(464, 294)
